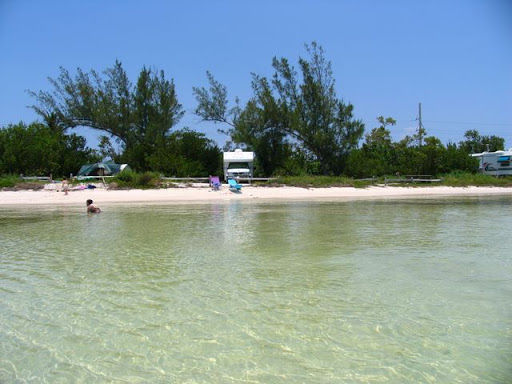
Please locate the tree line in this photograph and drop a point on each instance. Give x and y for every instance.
(294, 122)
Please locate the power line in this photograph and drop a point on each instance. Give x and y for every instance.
(368, 121)
(403, 121)
(467, 123)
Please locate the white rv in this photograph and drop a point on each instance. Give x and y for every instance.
(238, 164)
(495, 163)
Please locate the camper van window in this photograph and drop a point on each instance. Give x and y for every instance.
(238, 165)
(504, 161)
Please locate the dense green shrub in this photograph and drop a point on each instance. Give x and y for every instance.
(466, 179)
(126, 177)
(39, 150)
(148, 180)
(130, 179)
(9, 181)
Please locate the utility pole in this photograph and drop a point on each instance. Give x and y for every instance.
(421, 129)
(419, 116)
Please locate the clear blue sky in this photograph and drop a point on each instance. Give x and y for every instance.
(452, 56)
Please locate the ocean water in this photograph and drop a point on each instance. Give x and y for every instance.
(394, 291)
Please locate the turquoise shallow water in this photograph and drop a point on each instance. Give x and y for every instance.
(403, 291)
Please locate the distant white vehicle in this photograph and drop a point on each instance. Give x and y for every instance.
(495, 163)
(238, 164)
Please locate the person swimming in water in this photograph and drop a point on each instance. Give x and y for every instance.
(92, 208)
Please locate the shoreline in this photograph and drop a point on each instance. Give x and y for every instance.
(204, 194)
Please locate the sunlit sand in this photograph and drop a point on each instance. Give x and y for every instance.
(203, 193)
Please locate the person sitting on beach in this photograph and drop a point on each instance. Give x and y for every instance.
(92, 208)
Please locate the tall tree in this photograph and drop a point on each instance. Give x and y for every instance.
(253, 127)
(285, 113)
(321, 123)
(139, 117)
(260, 126)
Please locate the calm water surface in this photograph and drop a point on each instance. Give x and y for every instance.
(328, 292)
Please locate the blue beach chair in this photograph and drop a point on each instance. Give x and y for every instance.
(233, 185)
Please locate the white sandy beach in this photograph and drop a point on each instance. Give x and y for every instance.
(202, 193)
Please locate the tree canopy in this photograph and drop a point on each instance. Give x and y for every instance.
(380, 155)
(139, 117)
(474, 142)
(37, 149)
(288, 115)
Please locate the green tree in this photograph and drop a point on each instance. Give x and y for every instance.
(286, 116)
(39, 150)
(259, 126)
(457, 159)
(187, 153)
(254, 128)
(313, 116)
(139, 117)
(475, 143)
(212, 104)
(107, 149)
(413, 155)
(376, 157)
(432, 151)
(380, 136)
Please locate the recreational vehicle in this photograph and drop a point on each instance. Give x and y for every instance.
(238, 164)
(495, 163)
